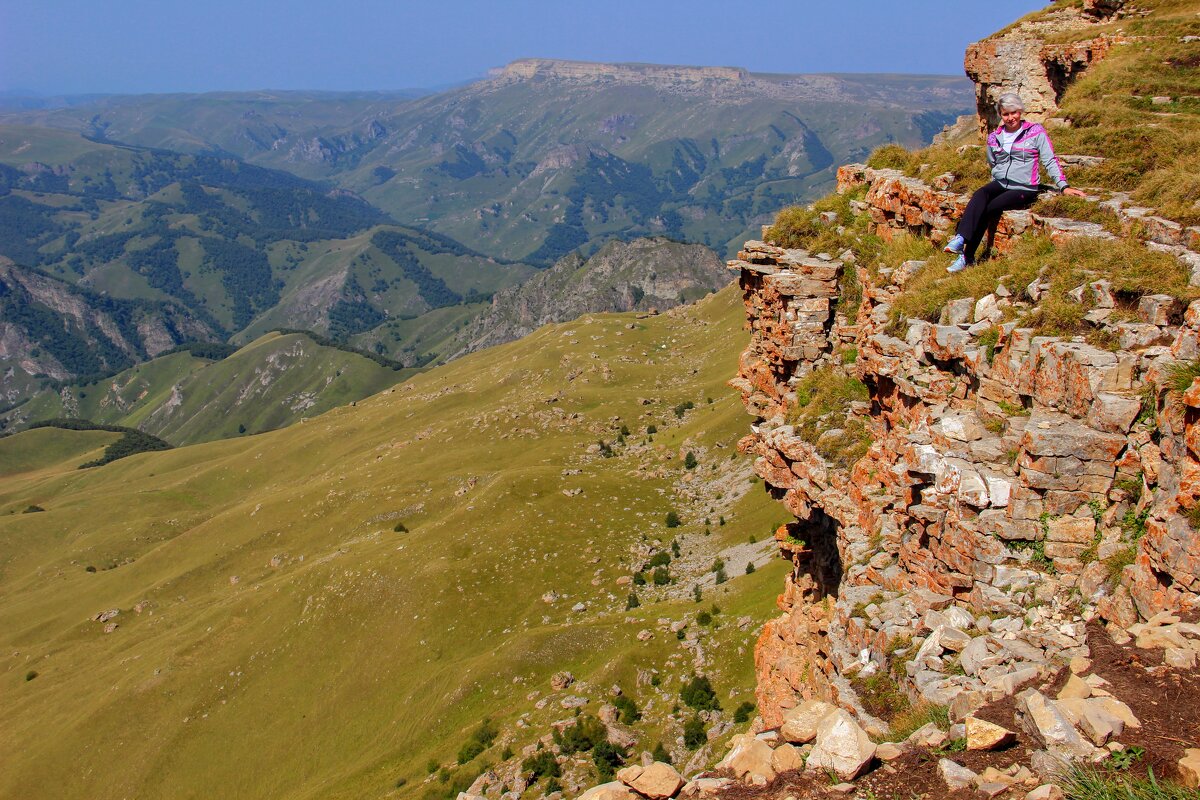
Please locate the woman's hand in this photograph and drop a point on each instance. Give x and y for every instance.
(1074, 192)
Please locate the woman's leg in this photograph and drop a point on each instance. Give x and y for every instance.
(973, 223)
(998, 200)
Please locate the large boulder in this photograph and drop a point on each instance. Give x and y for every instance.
(1046, 720)
(749, 758)
(787, 757)
(984, 735)
(657, 781)
(800, 723)
(1189, 768)
(614, 790)
(841, 746)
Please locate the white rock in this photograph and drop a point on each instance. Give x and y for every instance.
(842, 746)
(748, 757)
(800, 723)
(657, 781)
(955, 775)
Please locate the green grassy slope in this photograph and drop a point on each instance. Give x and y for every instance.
(246, 249)
(279, 639)
(50, 448)
(268, 384)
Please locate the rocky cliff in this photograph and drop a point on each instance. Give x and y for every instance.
(641, 275)
(970, 495)
(53, 329)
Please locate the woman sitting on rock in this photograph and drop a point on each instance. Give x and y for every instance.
(1014, 152)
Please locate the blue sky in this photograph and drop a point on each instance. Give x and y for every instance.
(73, 46)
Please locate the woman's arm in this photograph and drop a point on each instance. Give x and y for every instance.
(1047, 157)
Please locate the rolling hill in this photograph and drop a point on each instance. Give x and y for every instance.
(184, 398)
(328, 609)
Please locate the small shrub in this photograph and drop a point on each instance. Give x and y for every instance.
(698, 693)
(659, 559)
(743, 712)
(675, 547)
(651, 430)
(32, 509)
(1124, 759)
(721, 577)
(704, 618)
(607, 757)
(627, 708)
(662, 576)
(660, 754)
(469, 751)
(89, 568)
(890, 156)
(400, 527)
(683, 408)
(881, 696)
(431, 766)
(673, 520)
(1180, 376)
(749, 567)
(33, 673)
(585, 734)
(694, 735)
(689, 462)
(542, 763)
(697, 593)
(632, 601)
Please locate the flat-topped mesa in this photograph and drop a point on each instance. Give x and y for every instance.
(531, 68)
(1020, 60)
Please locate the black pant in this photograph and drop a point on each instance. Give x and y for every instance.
(984, 209)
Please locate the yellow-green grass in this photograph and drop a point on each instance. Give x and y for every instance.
(1132, 269)
(49, 448)
(270, 383)
(366, 652)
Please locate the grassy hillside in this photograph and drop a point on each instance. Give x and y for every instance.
(243, 247)
(268, 384)
(278, 637)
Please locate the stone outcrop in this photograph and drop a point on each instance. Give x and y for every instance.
(1004, 471)
(1020, 59)
(645, 274)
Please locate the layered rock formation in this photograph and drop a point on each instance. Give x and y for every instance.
(1004, 472)
(1020, 59)
(650, 273)
(53, 329)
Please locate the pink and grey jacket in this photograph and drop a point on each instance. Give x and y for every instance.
(1019, 169)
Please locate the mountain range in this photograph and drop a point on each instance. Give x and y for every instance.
(389, 220)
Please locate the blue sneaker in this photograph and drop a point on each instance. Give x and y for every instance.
(959, 264)
(955, 245)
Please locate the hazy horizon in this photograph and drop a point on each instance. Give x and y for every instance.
(71, 47)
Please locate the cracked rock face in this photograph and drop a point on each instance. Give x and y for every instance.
(1021, 60)
(995, 480)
